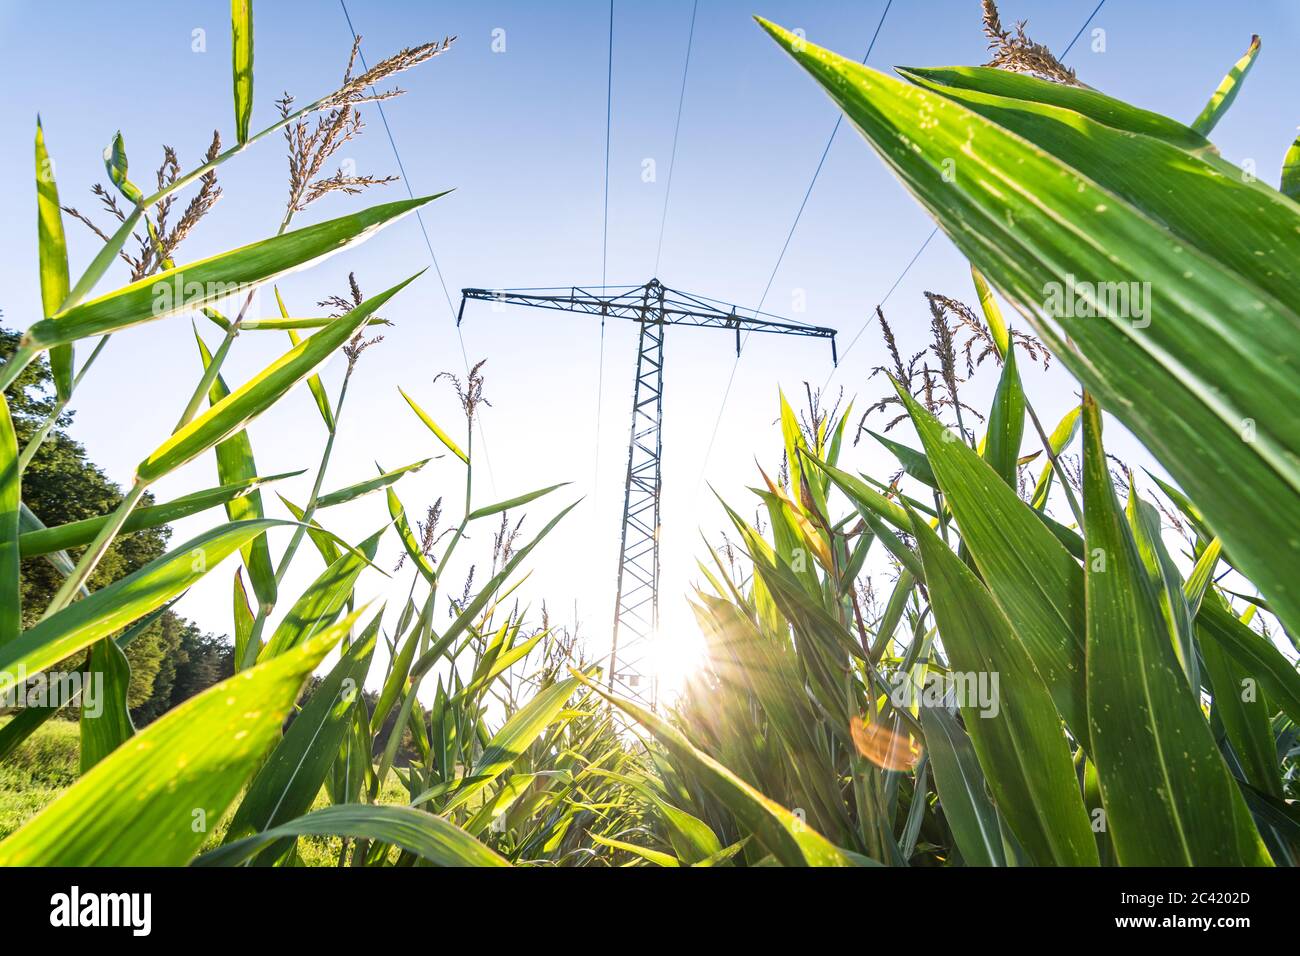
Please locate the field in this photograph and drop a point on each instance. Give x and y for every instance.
(43, 767)
(1012, 648)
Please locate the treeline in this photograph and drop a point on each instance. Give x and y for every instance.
(172, 659)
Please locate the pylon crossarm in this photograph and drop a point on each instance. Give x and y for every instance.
(678, 309)
(653, 307)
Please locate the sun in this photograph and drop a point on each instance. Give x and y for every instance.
(678, 652)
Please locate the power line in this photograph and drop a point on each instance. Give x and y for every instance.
(726, 394)
(609, 113)
(1070, 46)
(406, 181)
(881, 304)
(604, 258)
(672, 160)
(933, 232)
(818, 171)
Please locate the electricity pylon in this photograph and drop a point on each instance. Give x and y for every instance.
(655, 307)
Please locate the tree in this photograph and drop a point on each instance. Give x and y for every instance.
(61, 484)
(196, 661)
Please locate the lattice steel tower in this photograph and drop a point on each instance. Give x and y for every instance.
(655, 307)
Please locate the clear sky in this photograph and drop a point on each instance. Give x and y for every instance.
(520, 134)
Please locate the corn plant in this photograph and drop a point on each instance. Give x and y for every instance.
(1058, 187)
(1136, 717)
(220, 774)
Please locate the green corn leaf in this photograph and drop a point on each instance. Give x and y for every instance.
(199, 283)
(245, 403)
(235, 463)
(1097, 107)
(1186, 506)
(692, 839)
(316, 609)
(726, 854)
(793, 596)
(351, 770)
(992, 313)
(118, 169)
(1058, 441)
(837, 440)
(893, 611)
(11, 501)
(959, 781)
(288, 782)
(657, 857)
(1097, 812)
(1227, 91)
(428, 837)
(322, 539)
(1031, 575)
(1202, 576)
(1047, 203)
(1169, 798)
(285, 323)
(781, 833)
(1254, 654)
(1006, 422)
(111, 727)
(1018, 738)
(53, 249)
(110, 608)
(30, 719)
(400, 670)
(154, 801)
(398, 513)
(792, 537)
(1243, 711)
(314, 384)
(241, 41)
(244, 623)
(313, 381)
(492, 668)
(480, 600)
(1113, 114)
(1290, 184)
(1278, 814)
(768, 673)
(433, 426)
(869, 506)
(868, 498)
(352, 492)
(28, 523)
(76, 534)
(795, 446)
(523, 499)
(914, 462)
(1145, 528)
(497, 804)
(514, 738)
(857, 560)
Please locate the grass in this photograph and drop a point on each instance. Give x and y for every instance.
(37, 772)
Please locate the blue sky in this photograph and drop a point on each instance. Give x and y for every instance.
(520, 135)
